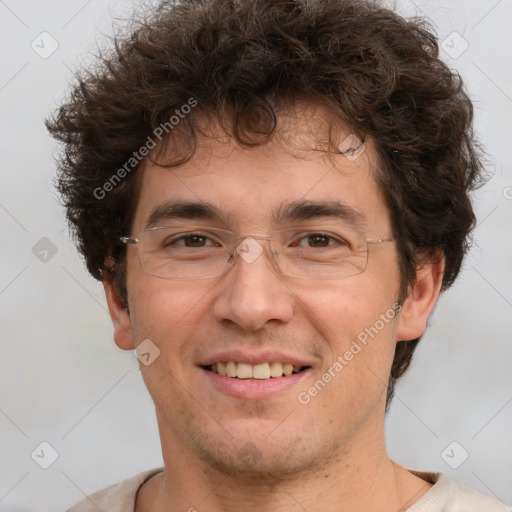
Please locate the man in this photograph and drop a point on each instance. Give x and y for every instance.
(273, 193)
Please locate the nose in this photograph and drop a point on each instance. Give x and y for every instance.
(252, 292)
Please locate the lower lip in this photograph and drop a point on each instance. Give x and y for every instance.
(253, 389)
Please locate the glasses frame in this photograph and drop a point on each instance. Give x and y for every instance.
(270, 254)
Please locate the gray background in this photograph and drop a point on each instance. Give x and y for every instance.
(63, 380)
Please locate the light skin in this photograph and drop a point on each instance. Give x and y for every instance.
(328, 454)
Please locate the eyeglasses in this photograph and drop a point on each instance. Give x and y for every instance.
(193, 252)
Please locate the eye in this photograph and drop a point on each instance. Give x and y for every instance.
(193, 240)
(320, 240)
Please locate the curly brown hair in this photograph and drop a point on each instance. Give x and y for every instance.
(241, 59)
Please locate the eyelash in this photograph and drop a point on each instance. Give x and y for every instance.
(302, 237)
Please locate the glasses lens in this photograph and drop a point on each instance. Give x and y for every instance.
(324, 253)
(184, 252)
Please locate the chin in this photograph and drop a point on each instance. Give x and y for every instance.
(261, 457)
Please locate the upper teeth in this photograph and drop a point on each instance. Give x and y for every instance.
(256, 371)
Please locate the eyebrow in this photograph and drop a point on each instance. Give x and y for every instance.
(192, 210)
(307, 210)
(295, 211)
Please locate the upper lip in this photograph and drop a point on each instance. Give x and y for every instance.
(253, 357)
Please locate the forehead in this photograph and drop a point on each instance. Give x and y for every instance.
(251, 187)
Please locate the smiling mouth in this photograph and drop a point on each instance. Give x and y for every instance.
(262, 371)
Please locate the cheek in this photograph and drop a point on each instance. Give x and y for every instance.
(341, 310)
(358, 322)
(168, 314)
(160, 308)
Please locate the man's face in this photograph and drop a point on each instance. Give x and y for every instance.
(277, 425)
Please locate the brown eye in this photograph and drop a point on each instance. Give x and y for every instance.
(318, 240)
(194, 240)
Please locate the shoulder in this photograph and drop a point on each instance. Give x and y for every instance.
(119, 497)
(447, 495)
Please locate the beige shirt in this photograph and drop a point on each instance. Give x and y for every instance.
(446, 495)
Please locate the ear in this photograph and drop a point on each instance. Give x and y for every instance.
(120, 317)
(421, 300)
